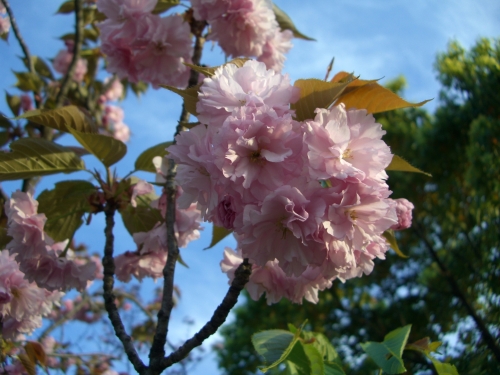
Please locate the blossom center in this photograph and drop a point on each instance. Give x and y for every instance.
(347, 154)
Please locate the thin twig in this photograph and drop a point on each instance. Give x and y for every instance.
(18, 36)
(157, 351)
(63, 91)
(481, 326)
(109, 297)
(242, 275)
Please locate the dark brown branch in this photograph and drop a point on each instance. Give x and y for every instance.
(241, 277)
(481, 326)
(108, 264)
(63, 91)
(18, 36)
(157, 351)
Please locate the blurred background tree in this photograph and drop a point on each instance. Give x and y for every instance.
(449, 286)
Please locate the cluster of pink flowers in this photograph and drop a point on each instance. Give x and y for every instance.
(246, 28)
(22, 303)
(113, 115)
(151, 254)
(63, 60)
(39, 257)
(4, 21)
(142, 46)
(308, 200)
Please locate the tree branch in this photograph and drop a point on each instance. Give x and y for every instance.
(18, 36)
(481, 326)
(242, 275)
(157, 351)
(109, 298)
(63, 91)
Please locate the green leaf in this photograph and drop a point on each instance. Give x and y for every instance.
(400, 164)
(164, 5)
(315, 359)
(41, 67)
(391, 238)
(274, 345)
(332, 368)
(444, 368)
(66, 7)
(426, 347)
(300, 360)
(210, 71)
(387, 354)
(4, 36)
(145, 160)
(14, 103)
(32, 157)
(65, 119)
(27, 81)
(139, 88)
(190, 96)
(315, 93)
(105, 148)
(4, 138)
(218, 234)
(64, 207)
(320, 342)
(181, 261)
(285, 23)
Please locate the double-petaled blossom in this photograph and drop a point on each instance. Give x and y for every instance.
(63, 60)
(51, 265)
(308, 200)
(142, 46)
(22, 303)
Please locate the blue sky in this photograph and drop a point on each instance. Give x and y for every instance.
(372, 38)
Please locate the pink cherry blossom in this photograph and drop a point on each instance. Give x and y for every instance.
(4, 21)
(231, 88)
(275, 48)
(404, 210)
(114, 92)
(121, 9)
(140, 188)
(112, 120)
(63, 60)
(208, 10)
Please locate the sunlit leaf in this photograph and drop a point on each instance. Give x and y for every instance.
(105, 148)
(218, 234)
(315, 93)
(190, 96)
(145, 160)
(332, 368)
(374, 98)
(444, 368)
(320, 342)
(64, 119)
(400, 164)
(274, 345)
(14, 103)
(210, 71)
(32, 157)
(27, 81)
(391, 238)
(315, 359)
(164, 5)
(64, 207)
(36, 352)
(426, 347)
(285, 23)
(387, 354)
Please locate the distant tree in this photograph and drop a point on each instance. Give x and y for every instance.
(450, 282)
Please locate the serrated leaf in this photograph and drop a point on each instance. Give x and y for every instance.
(274, 345)
(27, 81)
(36, 352)
(31, 157)
(190, 96)
(64, 207)
(285, 23)
(65, 119)
(400, 164)
(315, 93)
(14, 103)
(332, 368)
(387, 354)
(66, 7)
(105, 148)
(374, 98)
(164, 5)
(315, 359)
(391, 238)
(218, 234)
(145, 160)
